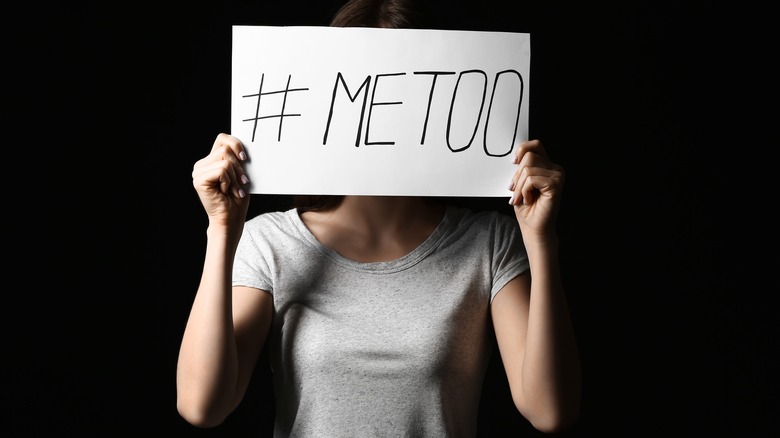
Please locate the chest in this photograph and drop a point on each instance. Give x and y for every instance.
(383, 325)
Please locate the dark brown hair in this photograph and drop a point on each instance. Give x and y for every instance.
(395, 14)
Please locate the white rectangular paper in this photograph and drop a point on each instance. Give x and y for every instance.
(370, 111)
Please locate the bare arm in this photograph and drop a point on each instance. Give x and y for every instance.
(227, 326)
(530, 315)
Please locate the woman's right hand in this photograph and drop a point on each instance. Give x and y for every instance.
(220, 181)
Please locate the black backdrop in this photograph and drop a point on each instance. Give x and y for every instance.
(647, 105)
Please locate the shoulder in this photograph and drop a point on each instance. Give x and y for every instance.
(274, 219)
(273, 226)
(272, 233)
(484, 220)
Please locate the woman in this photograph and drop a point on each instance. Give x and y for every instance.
(379, 311)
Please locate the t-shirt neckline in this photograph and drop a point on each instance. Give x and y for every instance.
(385, 267)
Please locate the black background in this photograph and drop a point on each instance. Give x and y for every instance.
(655, 110)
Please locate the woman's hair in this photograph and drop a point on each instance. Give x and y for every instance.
(394, 14)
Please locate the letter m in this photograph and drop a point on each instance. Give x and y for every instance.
(364, 86)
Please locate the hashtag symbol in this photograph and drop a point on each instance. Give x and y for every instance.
(281, 115)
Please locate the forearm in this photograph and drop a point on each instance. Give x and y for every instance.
(551, 365)
(207, 371)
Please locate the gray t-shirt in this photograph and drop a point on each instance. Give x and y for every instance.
(383, 349)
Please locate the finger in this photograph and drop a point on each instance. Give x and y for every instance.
(518, 180)
(529, 189)
(527, 155)
(524, 169)
(212, 175)
(542, 181)
(218, 153)
(533, 161)
(515, 183)
(225, 143)
(231, 142)
(218, 175)
(238, 173)
(525, 190)
(229, 179)
(530, 181)
(534, 146)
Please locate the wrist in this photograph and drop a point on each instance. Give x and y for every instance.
(222, 231)
(541, 243)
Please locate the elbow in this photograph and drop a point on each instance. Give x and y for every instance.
(552, 418)
(556, 422)
(198, 416)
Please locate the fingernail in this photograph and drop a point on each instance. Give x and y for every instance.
(512, 200)
(511, 185)
(241, 193)
(244, 179)
(242, 155)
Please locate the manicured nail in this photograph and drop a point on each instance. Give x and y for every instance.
(512, 200)
(241, 193)
(511, 185)
(244, 179)
(242, 155)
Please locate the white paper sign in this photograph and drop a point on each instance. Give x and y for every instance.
(370, 111)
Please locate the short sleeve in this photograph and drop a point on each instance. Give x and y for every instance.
(251, 263)
(509, 256)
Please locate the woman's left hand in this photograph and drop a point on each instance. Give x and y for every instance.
(536, 190)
